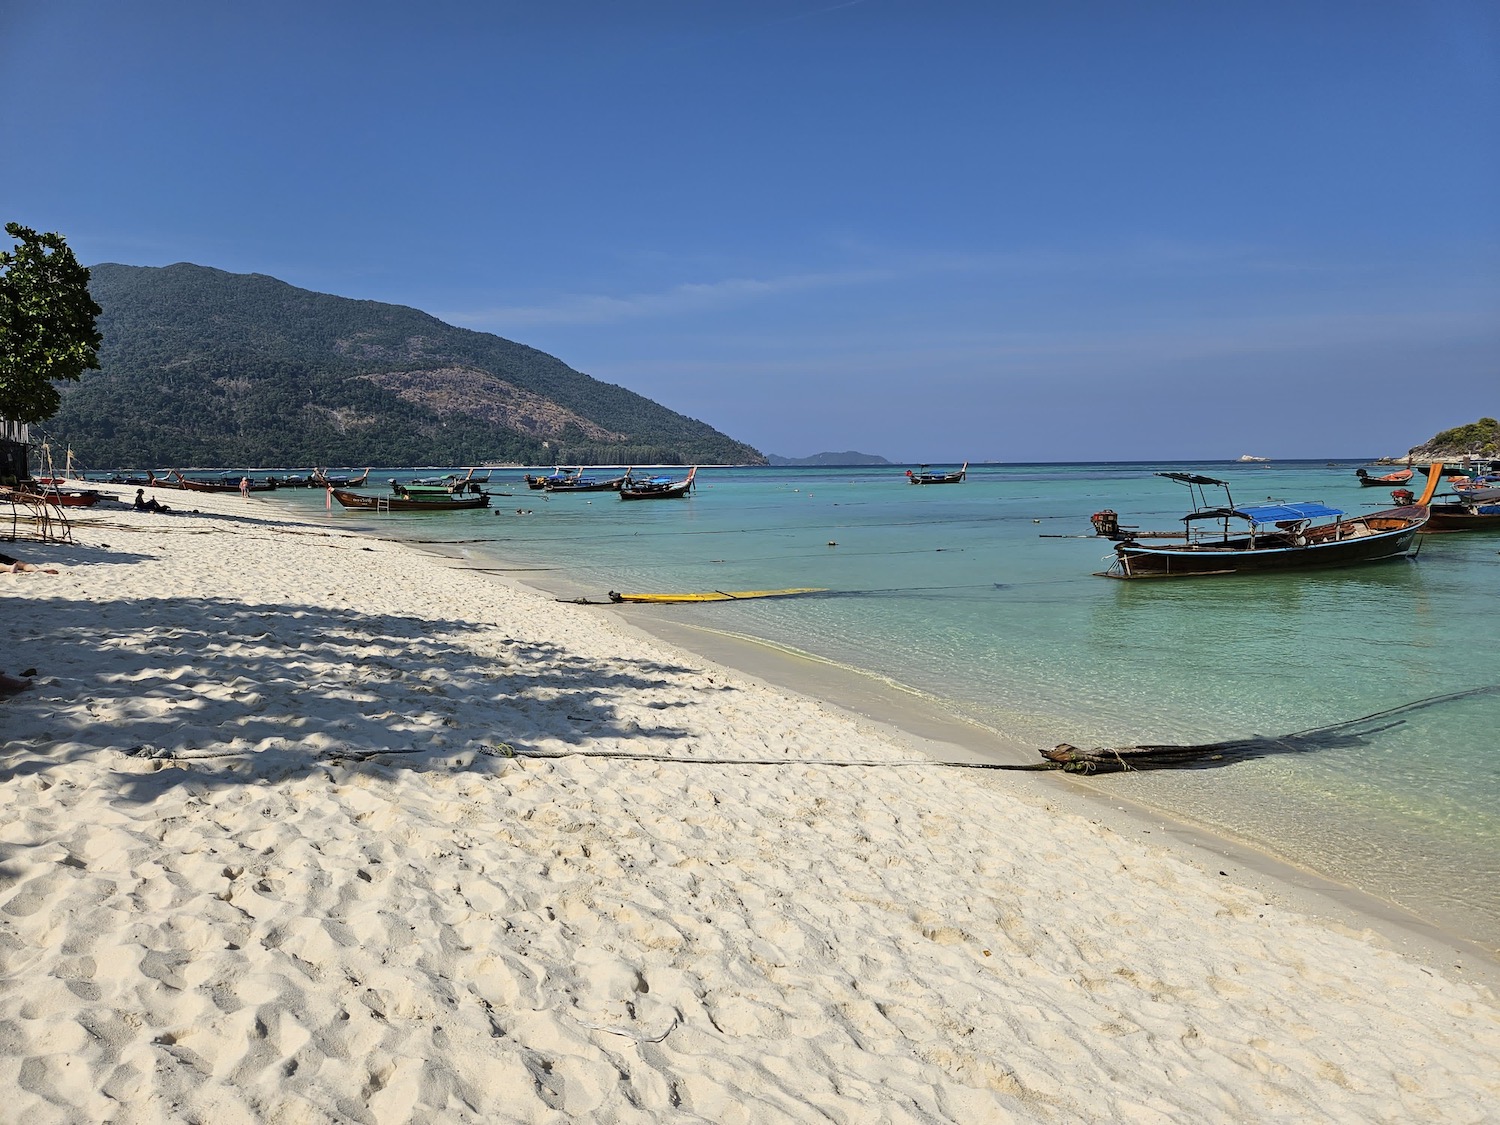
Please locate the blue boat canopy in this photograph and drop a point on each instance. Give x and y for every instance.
(1274, 513)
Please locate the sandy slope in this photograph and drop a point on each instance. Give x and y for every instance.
(263, 857)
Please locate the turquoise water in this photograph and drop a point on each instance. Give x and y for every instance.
(955, 591)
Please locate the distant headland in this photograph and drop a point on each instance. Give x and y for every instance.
(830, 459)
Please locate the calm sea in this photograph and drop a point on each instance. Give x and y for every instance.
(974, 594)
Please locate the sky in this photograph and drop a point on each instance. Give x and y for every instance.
(932, 230)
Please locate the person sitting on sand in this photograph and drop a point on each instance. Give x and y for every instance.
(151, 505)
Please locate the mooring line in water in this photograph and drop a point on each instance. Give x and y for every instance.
(1416, 705)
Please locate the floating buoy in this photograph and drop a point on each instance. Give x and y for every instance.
(831, 543)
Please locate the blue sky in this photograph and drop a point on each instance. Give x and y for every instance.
(929, 230)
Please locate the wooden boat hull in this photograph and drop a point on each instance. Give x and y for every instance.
(67, 499)
(1462, 517)
(955, 477)
(657, 490)
(670, 492)
(612, 485)
(1403, 477)
(226, 486)
(1378, 537)
(319, 479)
(434, 491)
(537, 484)
(402, 504)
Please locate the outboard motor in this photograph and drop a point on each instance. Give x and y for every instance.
(1106, 523)
(1402, 496)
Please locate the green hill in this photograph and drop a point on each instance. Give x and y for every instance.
(203, 367)
(1481, 438)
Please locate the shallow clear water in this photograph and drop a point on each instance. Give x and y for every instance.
(953, 590)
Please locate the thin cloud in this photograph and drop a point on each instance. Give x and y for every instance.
(689, 297)
(986, 355)
(1156, 261)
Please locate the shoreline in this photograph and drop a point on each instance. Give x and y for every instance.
(306, 821)
(928, 727)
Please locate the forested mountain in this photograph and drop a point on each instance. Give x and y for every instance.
(203, 367)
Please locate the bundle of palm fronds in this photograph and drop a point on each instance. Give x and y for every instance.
(1350, 733)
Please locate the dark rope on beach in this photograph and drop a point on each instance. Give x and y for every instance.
(1065, 757)
(505, 750)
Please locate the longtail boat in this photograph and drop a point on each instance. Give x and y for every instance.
(925, 477)
(587, 484)
(411, 503)
(436, 487)
(1461, 514)
(1463, 517)
(556, 476)
(1246, 539)
(63, 497)
(1478, 490)
(658, 488)
(223, 484)
(1386, 481)
(321, 479)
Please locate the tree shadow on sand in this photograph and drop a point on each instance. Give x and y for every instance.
(253, 692)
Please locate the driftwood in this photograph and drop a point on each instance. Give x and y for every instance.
(1345, 735)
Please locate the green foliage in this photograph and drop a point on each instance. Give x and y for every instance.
(1482, 436)
(202, 367)
(47, 329)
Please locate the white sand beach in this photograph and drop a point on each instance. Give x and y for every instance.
(276, 846)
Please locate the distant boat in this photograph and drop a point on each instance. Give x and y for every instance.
(1229, 539)
(1247, 458)
(443, 502)
(924, 477)
(1478, 490)
(323, 480)
(437, 487)
(222, 484)
(580, 483)
(1382, 482)
(1468, 466)
(537, 483)
(658, 488)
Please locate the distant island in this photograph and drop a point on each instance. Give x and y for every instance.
(830, 459)
(207, 368)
